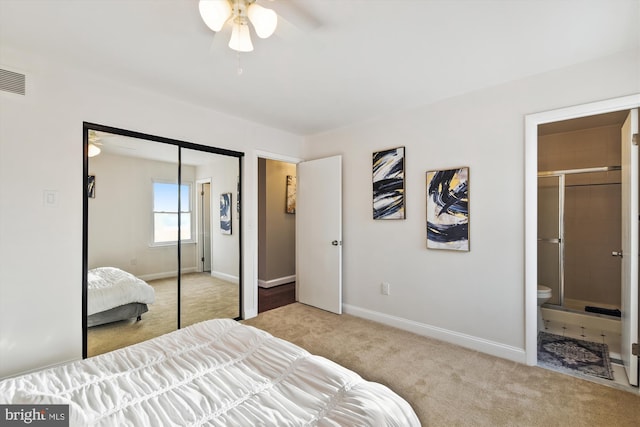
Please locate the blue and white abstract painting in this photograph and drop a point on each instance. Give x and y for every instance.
(388, 184)
(448, 209)
(225, 213)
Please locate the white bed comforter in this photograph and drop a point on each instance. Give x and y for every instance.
(214, 373)
(109, 287)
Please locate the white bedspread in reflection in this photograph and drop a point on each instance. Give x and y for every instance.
(109, 287)
(217, 373)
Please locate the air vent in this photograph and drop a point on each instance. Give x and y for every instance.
(12, 82)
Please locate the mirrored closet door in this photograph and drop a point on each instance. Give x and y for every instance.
(210, 273)
(157, 255)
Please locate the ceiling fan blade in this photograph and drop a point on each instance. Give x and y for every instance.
(295, 13)
(220, 39)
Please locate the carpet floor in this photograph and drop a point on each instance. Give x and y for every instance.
(203, 297)
(448, 385)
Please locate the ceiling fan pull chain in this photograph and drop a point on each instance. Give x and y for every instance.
(240, 70)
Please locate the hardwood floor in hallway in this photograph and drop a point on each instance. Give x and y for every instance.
(277, 296)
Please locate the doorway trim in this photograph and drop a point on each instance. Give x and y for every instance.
(532, 121)
(200, 231)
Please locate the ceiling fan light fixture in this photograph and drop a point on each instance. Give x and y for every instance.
(93, 150)
(264, 20)
(240, 37)
(214, 13)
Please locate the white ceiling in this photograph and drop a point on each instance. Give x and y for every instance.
(331, 62)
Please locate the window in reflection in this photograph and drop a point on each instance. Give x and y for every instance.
(166, 215)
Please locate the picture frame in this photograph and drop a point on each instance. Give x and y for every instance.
(238, 197)
(448, 209)
(290, 207)
(91, 186)
(388, 178)
(225, 213)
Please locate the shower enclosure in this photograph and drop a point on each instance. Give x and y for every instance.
(578, 232)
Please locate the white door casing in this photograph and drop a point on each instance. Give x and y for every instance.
(629, 259)
(319, 233)
(206, 226)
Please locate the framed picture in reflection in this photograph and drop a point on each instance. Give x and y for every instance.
(225, 213)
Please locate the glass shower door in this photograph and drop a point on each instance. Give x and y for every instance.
(550, 235)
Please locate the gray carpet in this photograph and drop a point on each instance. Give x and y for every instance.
(448, 385)
(203, 297)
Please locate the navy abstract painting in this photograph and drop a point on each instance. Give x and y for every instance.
(388, 184)
(448, 209)
(225, 213)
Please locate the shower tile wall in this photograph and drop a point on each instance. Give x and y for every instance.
(592, 212)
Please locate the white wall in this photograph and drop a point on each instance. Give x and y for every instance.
(41, 149)
(475, 299)
(223, 172)
(120, 219)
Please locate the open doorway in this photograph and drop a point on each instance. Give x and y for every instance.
(276, 233)
(204, 224)
(578, 185)
(579, 217)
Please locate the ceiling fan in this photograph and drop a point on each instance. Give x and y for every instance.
(94, 144)
(98, 139)
(215, 13)
(239, 13)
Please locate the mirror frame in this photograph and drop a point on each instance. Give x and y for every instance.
(86, 127)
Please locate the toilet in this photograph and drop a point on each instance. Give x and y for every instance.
(544, 294)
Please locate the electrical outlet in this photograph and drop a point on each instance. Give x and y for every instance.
(385, 288)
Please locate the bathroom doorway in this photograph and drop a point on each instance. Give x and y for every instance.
(579, 212)
(628, 323)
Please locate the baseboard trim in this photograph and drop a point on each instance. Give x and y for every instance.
(225, 277)
(276, 282)
(166, 274)
(31, 371)
(468, 341)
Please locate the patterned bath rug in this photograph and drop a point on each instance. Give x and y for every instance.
(571, 355)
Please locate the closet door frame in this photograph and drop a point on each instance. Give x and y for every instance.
(86, 126)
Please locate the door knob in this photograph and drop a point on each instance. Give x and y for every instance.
(614, 253)
(335, 243)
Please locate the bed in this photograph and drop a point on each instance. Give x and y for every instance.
(216, 373)
(114, 294)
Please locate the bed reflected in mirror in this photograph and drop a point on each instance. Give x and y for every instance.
(145, 216)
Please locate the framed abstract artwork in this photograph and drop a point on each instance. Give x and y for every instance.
(238, 197)
(291, 194)
(448, 209)
(388, 184)
(91, 186)
(225, 213)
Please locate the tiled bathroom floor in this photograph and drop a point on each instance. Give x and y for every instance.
(601, 329)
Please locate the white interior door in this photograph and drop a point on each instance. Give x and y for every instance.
(319, 233)
(630, 246)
